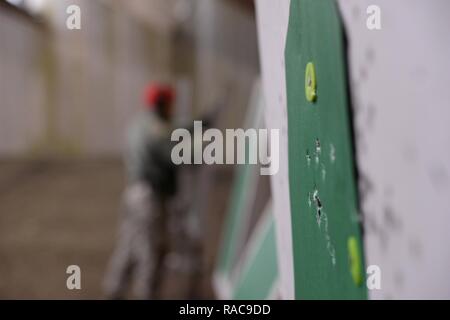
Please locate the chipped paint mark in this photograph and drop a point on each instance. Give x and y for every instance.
(318, 150)
(415, 248)
(332, 153)
(330, 246)
(308, 158)
(439, 177)
(391, 220)
(318, 147)
(322, 220)
(318, 203)
(324, 172)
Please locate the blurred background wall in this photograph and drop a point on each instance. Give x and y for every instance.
(71, 92)
(66, 97)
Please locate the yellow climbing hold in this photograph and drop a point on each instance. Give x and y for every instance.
(310, 82)
(354, 259)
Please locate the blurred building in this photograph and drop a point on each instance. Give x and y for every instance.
(70, 92)
(66, 97)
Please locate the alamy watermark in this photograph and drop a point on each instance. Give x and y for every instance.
(238, 146)
(73, 21)
(73, 281)
(373, 281)
(373, 21)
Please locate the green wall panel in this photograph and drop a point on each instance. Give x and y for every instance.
(322, 179)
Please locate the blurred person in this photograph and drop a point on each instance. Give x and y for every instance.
(151, 182)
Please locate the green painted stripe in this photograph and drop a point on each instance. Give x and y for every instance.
(232, 229)
(240, 199)
(260, 270)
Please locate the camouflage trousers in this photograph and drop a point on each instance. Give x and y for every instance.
(141, 245)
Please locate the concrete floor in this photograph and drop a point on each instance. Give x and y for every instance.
(55, 214)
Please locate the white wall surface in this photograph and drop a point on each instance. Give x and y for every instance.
(400, 83)
(272, 19)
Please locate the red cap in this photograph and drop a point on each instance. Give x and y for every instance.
(156, 91)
